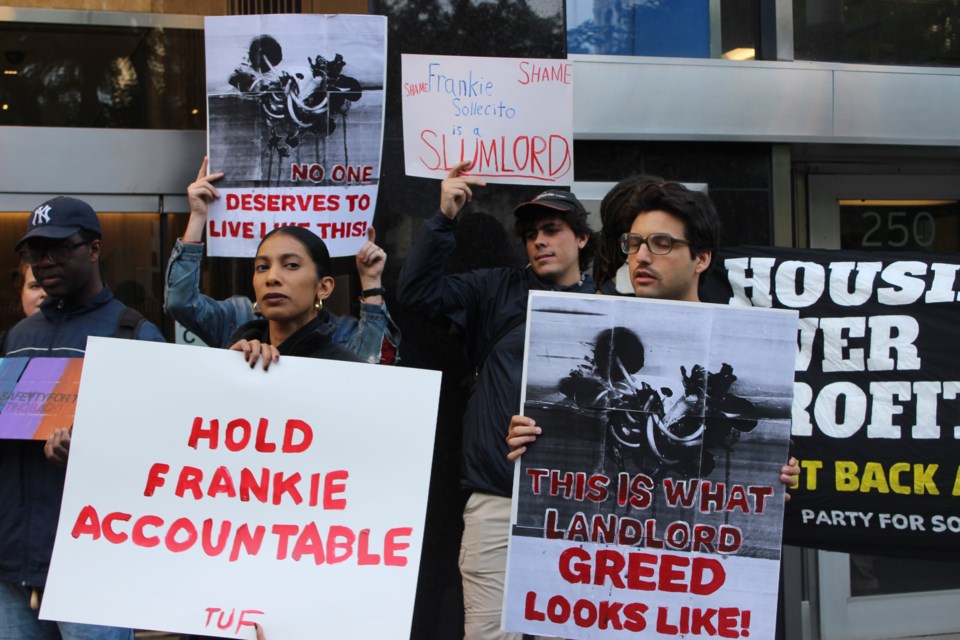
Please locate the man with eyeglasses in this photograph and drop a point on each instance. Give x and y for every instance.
(63, 247)
(673, 235)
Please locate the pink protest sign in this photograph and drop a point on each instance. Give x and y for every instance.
(38, 396)
(512, 118)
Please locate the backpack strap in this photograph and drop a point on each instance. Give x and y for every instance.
(128, 324)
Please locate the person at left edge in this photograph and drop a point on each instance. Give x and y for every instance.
(63, 246)
(31, 293)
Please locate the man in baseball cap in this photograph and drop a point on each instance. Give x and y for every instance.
(554, 256)
(60, 218)
(57, 231)
(490, 305)
(63, 247)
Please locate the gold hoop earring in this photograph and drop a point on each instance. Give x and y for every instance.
(256, 308)
(318, 305)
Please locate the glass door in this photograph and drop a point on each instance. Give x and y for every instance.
(871, 597)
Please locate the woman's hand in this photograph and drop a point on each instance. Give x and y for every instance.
(200, 194)
(254, 350)
(523, 431)
(370, 262)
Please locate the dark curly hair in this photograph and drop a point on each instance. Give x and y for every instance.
(641, 193)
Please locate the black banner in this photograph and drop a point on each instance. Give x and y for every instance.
(876, 413)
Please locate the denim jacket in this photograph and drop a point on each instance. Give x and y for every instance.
(214, 321)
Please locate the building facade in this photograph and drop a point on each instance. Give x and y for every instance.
(812, 123)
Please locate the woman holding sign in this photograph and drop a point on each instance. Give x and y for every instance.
(291, 279)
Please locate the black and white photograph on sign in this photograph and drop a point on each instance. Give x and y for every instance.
(655, 413)
(303, 91)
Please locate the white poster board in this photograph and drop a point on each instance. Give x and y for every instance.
(651, 503)
(512, 117)
(203, 496)
(295, 121)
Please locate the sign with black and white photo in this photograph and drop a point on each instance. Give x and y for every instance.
(296, 110)
(876, 417)
(652, 501)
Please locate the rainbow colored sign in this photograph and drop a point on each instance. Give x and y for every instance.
(37, 396)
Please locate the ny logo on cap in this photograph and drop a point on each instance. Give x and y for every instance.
(41, 215)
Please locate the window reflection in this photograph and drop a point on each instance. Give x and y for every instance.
(896, 32)
(668, 28)
(678, 28)
(90, 76)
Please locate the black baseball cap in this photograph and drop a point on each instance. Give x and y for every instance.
(554, 200)
(60, 218)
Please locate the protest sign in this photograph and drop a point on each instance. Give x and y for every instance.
(37, 396)
(10, 371)
(876, 415)
(203, 496)
(296, 108)
(651, 502)
(511, 117)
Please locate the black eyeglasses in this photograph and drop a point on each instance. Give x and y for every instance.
(57, 253)
(659, 243)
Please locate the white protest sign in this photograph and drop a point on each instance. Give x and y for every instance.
(651, 504)
(203, 496)
(511, 117)
(296, 109)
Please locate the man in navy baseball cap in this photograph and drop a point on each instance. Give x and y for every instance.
(60, 218)
(62, 244)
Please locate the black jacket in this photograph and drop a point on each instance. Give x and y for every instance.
(483, 303)
(312, 340)
(31, 488)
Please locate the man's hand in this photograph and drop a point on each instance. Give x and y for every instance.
(523, 431)
(200, 194)
(254, 350)
(370, 262)
(790, 476)
(57, 448)
(455, 190)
